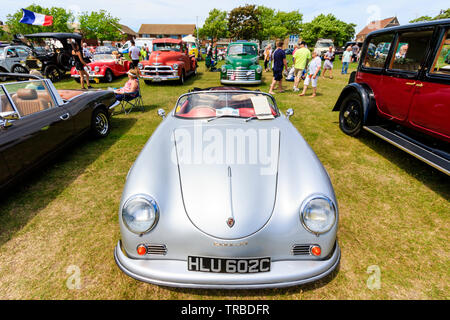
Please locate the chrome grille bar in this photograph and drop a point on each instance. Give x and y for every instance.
(160, 249)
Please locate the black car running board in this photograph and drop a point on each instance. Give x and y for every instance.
(412, 148)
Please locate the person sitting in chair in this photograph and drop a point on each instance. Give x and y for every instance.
(131, 87)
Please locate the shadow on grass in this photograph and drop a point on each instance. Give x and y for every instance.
(261, 292)
(23, 200)
(431, 177)
(147, 108)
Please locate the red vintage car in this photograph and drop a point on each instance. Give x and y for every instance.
(105, 67)
(401, 91)
(169, 60)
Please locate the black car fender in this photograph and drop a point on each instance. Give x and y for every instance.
(367, 99)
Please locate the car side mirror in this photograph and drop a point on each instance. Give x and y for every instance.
(6, 117)
(161, 113)
(289, 112)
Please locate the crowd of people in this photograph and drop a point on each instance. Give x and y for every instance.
(307, 65)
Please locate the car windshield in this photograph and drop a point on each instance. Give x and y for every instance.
(324, 45)
(237, 104)
(164, 46)
(45, 45)
(242, 49)
(104, 57)
(100, 50)
(29, 96)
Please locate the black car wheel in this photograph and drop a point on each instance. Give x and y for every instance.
(3, 78)
(100, 125)
(109, 76)
(351, 114)
(53, 73)
(182, 77)
(19, 69)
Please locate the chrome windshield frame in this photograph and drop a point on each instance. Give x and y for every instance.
(224, 91)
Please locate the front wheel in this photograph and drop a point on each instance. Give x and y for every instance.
(182, 77)
(109, 76)
(53, 73)
(100, 125)
(148, 82)
(351, 115)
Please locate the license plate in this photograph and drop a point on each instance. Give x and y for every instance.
(156, 79)
(222, 265)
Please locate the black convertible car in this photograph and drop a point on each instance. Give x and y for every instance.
(36, 121)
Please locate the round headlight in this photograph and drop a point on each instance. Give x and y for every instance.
(97, 69)
(175, 66)
(318, 214)
(140, 214)
(258, 69)
(223, 69)
(140, 66)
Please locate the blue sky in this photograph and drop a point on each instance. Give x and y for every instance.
(135, 12)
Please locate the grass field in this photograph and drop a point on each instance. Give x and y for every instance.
(394, 211)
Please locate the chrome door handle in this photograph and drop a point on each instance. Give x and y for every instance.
(65, 116)
(410, 83)
(420, 85)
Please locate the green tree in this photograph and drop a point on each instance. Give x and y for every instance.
(329, 27)
(287, 23)
(278, 24)
(99, 25)
(4, 36)
(62, 20)
(243, 22)
(266, 19)
(215, 26)
(443, 14)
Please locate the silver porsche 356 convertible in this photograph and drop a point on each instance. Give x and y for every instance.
(227, 194)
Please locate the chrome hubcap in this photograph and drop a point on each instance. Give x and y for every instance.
(101, 123)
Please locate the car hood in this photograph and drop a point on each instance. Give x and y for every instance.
(163, 57)
(224, 196)
(241, 61)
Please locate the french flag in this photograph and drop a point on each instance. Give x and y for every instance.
(36, 19)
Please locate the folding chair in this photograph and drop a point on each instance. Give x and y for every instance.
(134, 99)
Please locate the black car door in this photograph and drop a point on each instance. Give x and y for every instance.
(37, 134)
(4, 171)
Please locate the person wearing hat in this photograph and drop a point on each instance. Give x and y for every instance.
(130, 87)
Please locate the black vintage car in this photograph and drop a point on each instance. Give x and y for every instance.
(36, 121)
(52, 53)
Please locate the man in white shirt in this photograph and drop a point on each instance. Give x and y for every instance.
(87, 55)
(135, 53)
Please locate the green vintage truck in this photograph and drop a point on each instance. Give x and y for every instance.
(241, 64)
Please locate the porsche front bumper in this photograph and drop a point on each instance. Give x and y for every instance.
(174, 273)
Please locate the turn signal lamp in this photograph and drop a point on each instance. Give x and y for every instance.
(316, 251)
(141, 250)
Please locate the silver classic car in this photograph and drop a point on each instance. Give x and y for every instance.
(227, 194)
